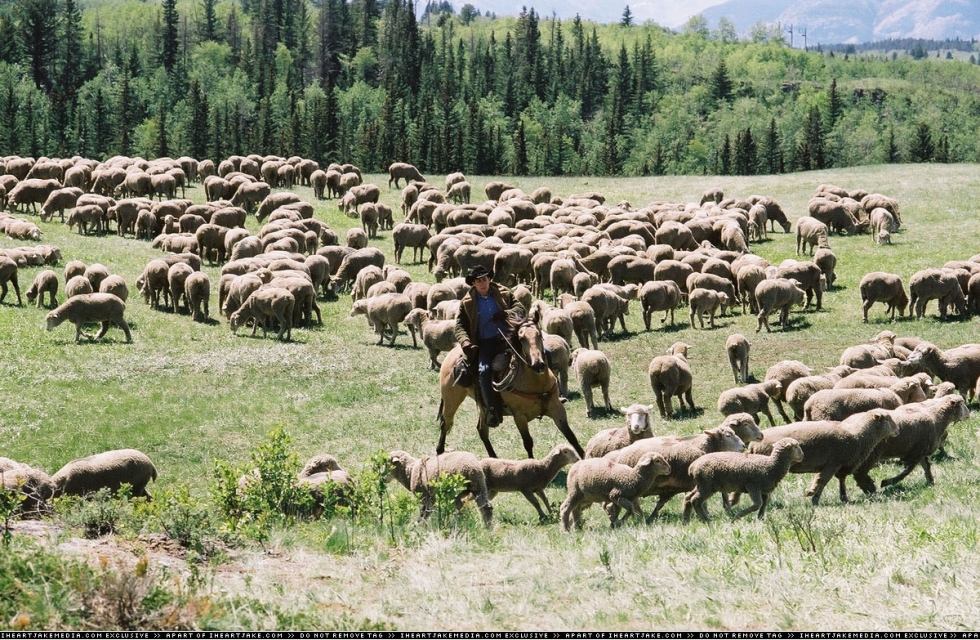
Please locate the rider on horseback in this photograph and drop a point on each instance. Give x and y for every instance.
(480, 329)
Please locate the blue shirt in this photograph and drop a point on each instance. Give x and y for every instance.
(486, 308)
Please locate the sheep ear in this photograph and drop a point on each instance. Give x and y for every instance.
(650, 407)
(623, 410)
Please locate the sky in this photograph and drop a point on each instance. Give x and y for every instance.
(667, 13)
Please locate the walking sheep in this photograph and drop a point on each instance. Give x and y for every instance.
(437, 335)
(751, 399)
(706, 301)
(45, 282)
(670, 375)
(108, 470)
(104, 308)
(777, 293)
(602, 480)
(263, 305)
(935, 284)
(879, 286)
(637, 428)
(752, 473)
(528, 477)
(415, 474)
(838, 404)
(383, 312)
(592, 369)
(737, 347)
(8, 273)
(659, 295)
(959, 365)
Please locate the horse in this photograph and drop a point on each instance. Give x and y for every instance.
(530, 391)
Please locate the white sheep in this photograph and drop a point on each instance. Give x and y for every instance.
(837, 404)
(707, 301)
(437, 335)
(737, 347)
(670, 375)
(751, 399)
(104, 308)
(109, 470)
(323, 473)
(528, 477)
(45, 282)
(33, 484)
(777, 293)
(385, 312)
(800, 389)
(263, 305)
(752, 473)
(604, 481)
(637, 427)
(959, 365)
(592, 369)
(659, 295)
(8, 273)
(415, 474)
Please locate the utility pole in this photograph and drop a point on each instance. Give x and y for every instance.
(803, 33)
(790, 31)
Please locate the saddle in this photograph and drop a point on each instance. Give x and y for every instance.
(503, 372)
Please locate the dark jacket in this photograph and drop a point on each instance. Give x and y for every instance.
(467, 322)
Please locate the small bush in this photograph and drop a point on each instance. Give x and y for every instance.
(188, 522)
(99, 514)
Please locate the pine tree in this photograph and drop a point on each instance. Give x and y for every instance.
(922, 148)
(170, 42)
(163, 143)
(100, 124)
(942, 150)
(891, 152)
(520, 165)
(126, 110)
(835, 105)
(38, 38)
(721, 83)
(627, 19)
(773, 150)
(197, 101)
(208, 29)
(745, 153)
(725, 157)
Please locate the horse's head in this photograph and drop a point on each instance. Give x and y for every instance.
(528, 336)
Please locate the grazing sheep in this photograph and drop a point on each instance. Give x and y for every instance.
(810, 231)
(922, 428)
(737, 347)
(263, 305)
(108, 470)
(415, 474)
(879, 286)
(74, 268)
(659, 295)
(748, 278)
(197, 294)
(883, 237)
(827, 261)
(437, 335)
(602, 480)
(865, 356)
(385, 312)
(637, 427)
(786, 371)
(176, 276)
(8, 273)
(116, 285)
(406, 234)
(838, 404)
(831, 449)
(91, 307)
(152, 282)
(800, 389)
(939, 284)
(707, 301)
(322, 474)
(808, 277)
(751, 399)
(959, 365)
(777, 293)
(34, 485)
(78, 285)
(608, 306)
(44, 282)
(592, 369)
(752, 473)
(528, 477)
(670, 375)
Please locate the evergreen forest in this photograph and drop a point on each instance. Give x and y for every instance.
(376, 81)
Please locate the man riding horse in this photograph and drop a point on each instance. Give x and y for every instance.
(480, 329)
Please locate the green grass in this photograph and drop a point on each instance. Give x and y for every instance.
(189, 394)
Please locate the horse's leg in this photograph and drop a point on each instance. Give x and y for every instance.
(557, 413)
(452, 398)
(521, 421)
(484, 430)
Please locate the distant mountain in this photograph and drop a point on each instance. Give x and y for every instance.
(825, 21)
(855, 21)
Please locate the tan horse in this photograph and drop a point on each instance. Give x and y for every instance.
(533, 392)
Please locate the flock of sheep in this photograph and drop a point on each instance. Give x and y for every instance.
(879, 403)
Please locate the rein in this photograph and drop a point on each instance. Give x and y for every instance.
(514, 350)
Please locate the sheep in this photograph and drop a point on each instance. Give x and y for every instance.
(559, 357)
(107, 470)
(592, 369)
(748, 278)
(176, 276)
(786, 371)
(152, 282)
(959, 365)
(751, 399)
(323, 473)
(810, 231)
(607, 306)
(670, 375)
(8, 273)
(879, 286)
(91, 307)
(883, 237)
(44, 282)
(808, 277)
(922, 428)
(800, 389)
(637, 428)
(437, 335)
(777, 293)
(602, 480)
(197, 294)
(116, 285)
(707, 301)
(929, 284)
(385, 312)
(837, 404)
(864, 356)
(356, 238)
(415, 474)
(406, 234)
(262, 305)
(659, 295)
(831, 448)
(737, 348)
(752, 473)
(33, 485)
(528, 477)
(78, 285)
(827, 261)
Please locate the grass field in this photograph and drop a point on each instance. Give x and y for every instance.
(189, 394)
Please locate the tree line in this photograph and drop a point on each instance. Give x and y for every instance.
(366, 81)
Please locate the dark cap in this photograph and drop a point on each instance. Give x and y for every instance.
(478, 272)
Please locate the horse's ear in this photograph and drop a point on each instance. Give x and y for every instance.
(534, 315)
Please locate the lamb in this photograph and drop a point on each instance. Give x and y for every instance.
(602, 480)
(107, 470)
(929, 284)
(559, 357)
(707, 301)
(659, 295)
(922, 428)
(959, 365)
(528, 477)
(637, 428)
(777, 293)
(800, 390)
(91, 307)
(755, 474)
(262, 305)
(33, 484)
(415, 474)
(831, 448)
(737, 347)
(670, 375)
(45, 282)
(751, 399)
(8, 273)
(385, 312)
(879, 286)
(838, 404)
(592, 369)
(437, 335)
